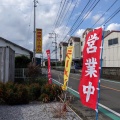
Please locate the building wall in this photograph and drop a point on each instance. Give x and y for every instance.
(64, 49)
(77, 47)
(82, 45)
(111, 55)
(77, 50)
(18, 51)
(7, 64)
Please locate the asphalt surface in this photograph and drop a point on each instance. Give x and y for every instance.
(109, 90)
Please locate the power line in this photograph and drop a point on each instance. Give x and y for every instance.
(104, 13)
(63, 13)
(78, 18)
(66, 12)
(85, 15)
(71, 15)
(57, 13)
(112, 16)
(60, 13)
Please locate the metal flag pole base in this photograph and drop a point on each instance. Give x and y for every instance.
(96, 114)
(100, 71)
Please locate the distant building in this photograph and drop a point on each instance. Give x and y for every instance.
(17, 48)
(111, 48)
(62, 49)
(51, 60)
(76, 43)
(83, 37)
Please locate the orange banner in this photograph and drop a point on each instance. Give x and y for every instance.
(38, 40)
(68, 61)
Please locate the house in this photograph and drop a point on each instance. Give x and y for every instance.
(51, 60)
(83, 37)
(111, 49)
(76, 43)
(62, 48)
(17, 48)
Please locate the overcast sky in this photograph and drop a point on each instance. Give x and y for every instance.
(16, 19)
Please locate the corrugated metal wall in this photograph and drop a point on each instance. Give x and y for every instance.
(7, 64)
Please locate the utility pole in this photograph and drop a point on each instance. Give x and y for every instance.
(35, 5)
(55, 42)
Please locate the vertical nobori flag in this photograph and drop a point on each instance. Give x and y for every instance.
(67, 66)
(49, 67)
(88, 87)
(38, 40)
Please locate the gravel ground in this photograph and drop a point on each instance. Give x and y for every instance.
(37, 111)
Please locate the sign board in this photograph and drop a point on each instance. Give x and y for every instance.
(38, 40)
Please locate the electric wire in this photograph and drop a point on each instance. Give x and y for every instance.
(104, 13)
(112, 16)
(88, 12)
(79, 17)
(60, 13)
(85, 16)
(70, 15)
(57, 14)
(65, 15)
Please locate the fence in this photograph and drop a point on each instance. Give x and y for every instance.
(21, 74)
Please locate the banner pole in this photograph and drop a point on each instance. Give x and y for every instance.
(67, 87)
(98, 99)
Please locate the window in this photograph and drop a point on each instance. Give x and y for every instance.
(109, 42)
(81, 43)
(113, 41)
(71, 44)
(81, 53)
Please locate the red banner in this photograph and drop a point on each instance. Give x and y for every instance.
(49, 67)
(88, 87)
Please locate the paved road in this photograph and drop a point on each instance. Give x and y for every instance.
(109, 94)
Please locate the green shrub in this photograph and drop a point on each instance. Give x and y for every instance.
(34, 91)
(16, 94)
(44, 97)
(34, 71)
(40, 80)
(1, 92)
(51, 90)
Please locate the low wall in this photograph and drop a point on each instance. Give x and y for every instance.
(111, 73)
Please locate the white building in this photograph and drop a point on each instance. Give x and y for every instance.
(111, 47)
(83, 37)
(75, 42)
(62, 48)
(18, 49)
